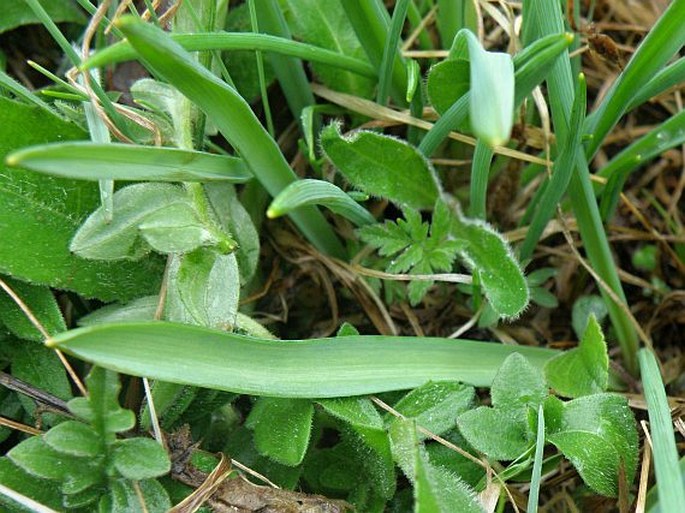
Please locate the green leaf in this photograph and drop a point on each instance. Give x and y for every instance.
(419, 252)
(597, 433)
(499, 434)
(14, 477)
(503, 432)
(40, 301)
(669, 474)
(233, 117)
(101, 408)
(282, 428)
(39, 366)
(141, 309)
(203, 289)
(235, 220)
(16, 14)
(102, 239)
(123, 497)
(319, 192)
(90, 161)
(140, 458)
(175, 228)
(447, 82)
(436, 406)
(486, 252)
(492, 92)
(583, 370)
(74, 438)
(37, 458)
(369, 439)
(584, 308)
(382, 166)
(438, 491)
(39, 215)
(334, 367)
(518, 385)
(327, 26)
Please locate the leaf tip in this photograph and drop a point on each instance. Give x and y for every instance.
(570, 37)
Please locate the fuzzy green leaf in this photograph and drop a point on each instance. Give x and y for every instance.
(39, 215)
(175, 228)
(101, 408)
(503, 432)
(437, 490)
(14, 477)
(74, 438)
(40, 301)
(203, 289)
(584, 308)
(120, 238)
(140, 458)
(518, 385)
(37, 458)
(370, 438)
(436, 406)
(486, 252)
(282, 428)
(124, 498)
(583, 370)
(597, 433)
(382, 166)
(236, 221)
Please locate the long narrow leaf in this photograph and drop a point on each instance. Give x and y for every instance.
(319, 192)
(334, 367)
(665, 38)
(561, 173)
(234, 118)
(90, 161)
(667, 135)
(668, 477)
(226, 41)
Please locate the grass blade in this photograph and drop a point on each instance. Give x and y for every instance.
(665, 38)
(534, 493)
(334, 367)
(90, 161)
(234, 118)
(319, 192)
(665, 452)
(561, 93)
(561, 174)
(372, 24)
(227, 41)
(668, 77)
(667, 135)
(390, 49)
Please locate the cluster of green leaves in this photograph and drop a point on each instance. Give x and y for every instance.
(81, 464)
(112, 253)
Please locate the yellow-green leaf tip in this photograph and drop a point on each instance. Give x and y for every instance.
(273, 213)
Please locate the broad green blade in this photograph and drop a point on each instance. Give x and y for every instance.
(233, 117)
(89, 161)
(332, 367)
(668, 477)
(227, 41)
